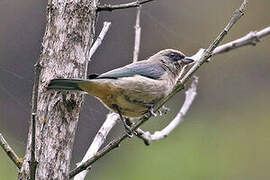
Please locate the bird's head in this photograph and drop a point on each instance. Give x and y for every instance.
(174, 60)
(173, 56)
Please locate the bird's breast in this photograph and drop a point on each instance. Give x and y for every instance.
(133, 95)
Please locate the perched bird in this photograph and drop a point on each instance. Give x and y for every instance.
(134, 89)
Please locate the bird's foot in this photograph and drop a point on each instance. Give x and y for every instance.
(152, 113)
(128, 129)
(163, 110)
(126, 122)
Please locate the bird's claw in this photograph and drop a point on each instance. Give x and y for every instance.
(127, 123)
(128, 130)
(152, 113)
(163, 110)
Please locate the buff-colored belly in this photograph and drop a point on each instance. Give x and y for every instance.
(133, 96)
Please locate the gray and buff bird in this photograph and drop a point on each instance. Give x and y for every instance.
(134, 89)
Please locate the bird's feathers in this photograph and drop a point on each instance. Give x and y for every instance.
(65, 84)
(149, 70)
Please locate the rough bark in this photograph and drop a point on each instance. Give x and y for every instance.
(66, 43)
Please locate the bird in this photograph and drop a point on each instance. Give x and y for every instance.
(132, 90)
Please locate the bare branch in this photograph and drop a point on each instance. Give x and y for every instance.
(252, 38)
(205, 55)
(137, 40)
(97, 142)
(106, 27)
(158, 135)
(108, 7)
(112, 145)
(33, 162)
(10, 152)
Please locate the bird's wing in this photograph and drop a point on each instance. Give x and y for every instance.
(146, 69)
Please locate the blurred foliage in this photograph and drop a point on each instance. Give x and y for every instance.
(224, 136)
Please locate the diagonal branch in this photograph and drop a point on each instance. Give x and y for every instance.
(208, 53)
(10, 152)
(205, 56)
(33, 162)
(137, 39)
(106, 27)
(109, 7)
(100, 138)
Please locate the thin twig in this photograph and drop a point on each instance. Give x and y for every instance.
(100, 138)
(112, 145)
(10, 152)
(137, 39)
(190, 96)
(252, 38)
(33, 162)
(206, 54)
(106, 27)
(109, 7)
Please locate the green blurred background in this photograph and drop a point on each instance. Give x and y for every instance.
(225, 134)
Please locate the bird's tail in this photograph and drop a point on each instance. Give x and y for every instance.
(65, 84)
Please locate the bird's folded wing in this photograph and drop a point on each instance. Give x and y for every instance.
(149, 70)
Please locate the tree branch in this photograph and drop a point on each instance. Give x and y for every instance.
(100, 138)
(158, 135)
(137, 39)
(109, 7)
(106, 27)
(208, 53)
(252, 38)
(10, 152)
(112, 145)
(33, 163)
(205, 55)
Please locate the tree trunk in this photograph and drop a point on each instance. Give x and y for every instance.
(66, 43)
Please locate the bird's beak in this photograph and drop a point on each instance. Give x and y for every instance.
(187, 60)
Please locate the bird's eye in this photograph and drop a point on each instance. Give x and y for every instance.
(172, 55)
